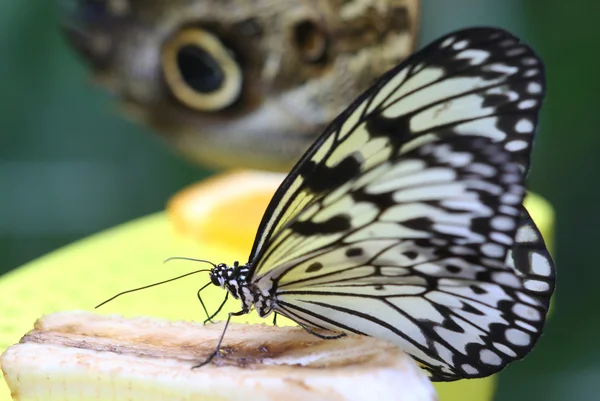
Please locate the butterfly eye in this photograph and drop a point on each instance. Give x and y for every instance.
(200, 71)
(311, 41)
(214, 279)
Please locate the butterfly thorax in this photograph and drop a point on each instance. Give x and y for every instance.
(235, 280)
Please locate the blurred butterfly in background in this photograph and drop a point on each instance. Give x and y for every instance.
(238, 83)
(404, 220)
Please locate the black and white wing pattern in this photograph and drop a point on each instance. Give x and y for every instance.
(422, 261)
(404, 221)
(532, 261)
(478, 81)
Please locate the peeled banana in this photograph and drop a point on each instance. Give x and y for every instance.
(83, 356)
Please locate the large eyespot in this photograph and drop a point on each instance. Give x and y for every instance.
(311, 42)
(200, 71)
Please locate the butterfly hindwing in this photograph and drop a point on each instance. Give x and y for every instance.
(531, 259)
(427, 271)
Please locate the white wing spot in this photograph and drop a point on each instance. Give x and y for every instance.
(511, 178)
(529, 61)
(460, 45)
(489, 357)
(501, 68)
(505, 350)
(471, 370)
(475, 56)
(511, 211)
(527, 104)
(486, 186)
(517, 337)
(531, 73)
(524, 126)
(507, 279)
(439, 241)
(526, 326)
(540, 265)
(501, 238)
(516, 51)
(461, 250)
(448, 41)
(463, 205)
(503, 223)
(446, 154)
(508, 42)
(516, 145)
(536, 285)
(483, 169)
(526, 298)
(534, 88)
(526, 312)
(510, 199)
(492, 250)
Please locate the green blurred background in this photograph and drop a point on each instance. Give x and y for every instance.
(71, 166)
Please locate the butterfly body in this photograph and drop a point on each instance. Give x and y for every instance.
(404, 220)
(234, 279)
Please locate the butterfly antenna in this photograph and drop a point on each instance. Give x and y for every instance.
(151, 285)
(190, 259)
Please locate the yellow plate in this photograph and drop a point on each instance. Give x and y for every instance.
(87, 272)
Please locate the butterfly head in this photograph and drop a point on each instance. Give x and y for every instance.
(231, 278)
(218, 275)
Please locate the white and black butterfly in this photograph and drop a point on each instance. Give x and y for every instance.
(404, 220)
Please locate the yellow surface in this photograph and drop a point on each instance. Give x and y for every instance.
(87, 272)
(201, 211)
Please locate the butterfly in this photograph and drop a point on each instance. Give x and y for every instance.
(404, 220)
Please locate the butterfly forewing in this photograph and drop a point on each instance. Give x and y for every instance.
(480, 81)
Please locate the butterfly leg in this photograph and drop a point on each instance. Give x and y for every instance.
(210, 318)
(202, 302)
(324, 337)
(274, 318)
(217, 351)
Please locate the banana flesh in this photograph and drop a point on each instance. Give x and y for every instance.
(83, 356)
